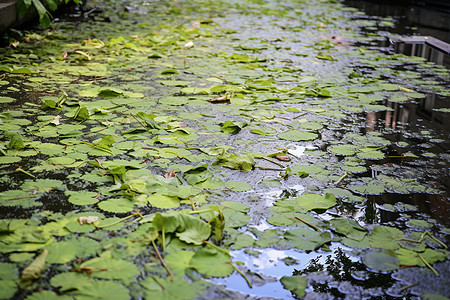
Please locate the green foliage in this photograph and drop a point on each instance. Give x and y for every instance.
(41, 7)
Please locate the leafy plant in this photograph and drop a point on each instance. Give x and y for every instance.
(42, 8)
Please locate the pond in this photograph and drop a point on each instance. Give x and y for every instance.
(222, 149)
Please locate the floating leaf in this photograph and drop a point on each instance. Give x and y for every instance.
(34, 269)
(178, 261)
(70, 281)
(117, 205)
(5, 99)
(212, 262)
(315, 201)
(7, 289)
(238, 186)
(163, 201)
(297, 136)
(408, 257)
(385, 237)
(232, 128)
(195, 230)
(100, 289)
(239, 161)
(372, 155)
(166, 289)
(47, 295)
(368, 189)
(9, 159)
(82, 198)
(307, 239)
(16, 142)
(349, 228)
(381, 261)
(296, 284)
(346, 150)
(108, 268)
(61, 252)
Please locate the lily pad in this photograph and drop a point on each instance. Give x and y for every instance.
(296, 284)
(297, 135)
(315, 201)
(212, 262)
(108, 268)
(381, 261)
(238, 186)
(117, 205)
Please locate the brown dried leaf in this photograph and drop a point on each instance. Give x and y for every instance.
(169, 174)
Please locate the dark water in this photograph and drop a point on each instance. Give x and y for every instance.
(407, 120)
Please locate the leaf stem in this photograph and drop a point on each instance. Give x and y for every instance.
(407, 287)
(342, 178)
(242, 274)
(19, 169)
(192, 203)
(272, 161)
(433, 238)
(200, 211)
(121, 220)
(142, 124)
(270, 169)
(97, 147)
(309, 224)
(299, 115)
(162, 261)
(423, 237)
(163, 234)
(216, 247)
(428, 265)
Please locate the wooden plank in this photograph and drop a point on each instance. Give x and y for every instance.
(428, 40)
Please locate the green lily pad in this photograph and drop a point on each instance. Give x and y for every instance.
(385, 237)
(307, 239)
(81, 198)
(117, 205)
(297, 136)
(212, 262)
(70, 280)
(178, 261)
(345, 150)
(372, 155)
(108, 268)
(9, 159)
(315, 201)
(296, 284)
(5, 99)
(47, 295)
(100, 289)
(408, 257)
(381, 261)
(348, 228)
(61, 252)
(367, 189)
(8, 271)
(166, 289)
(195, 230)
(163, 201)
(7, 289)
(238, 186)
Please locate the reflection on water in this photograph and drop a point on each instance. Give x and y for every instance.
(271, 264)
(412, 19)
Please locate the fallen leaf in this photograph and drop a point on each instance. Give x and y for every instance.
(56, 120)
(87, 220)
(169, 174)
